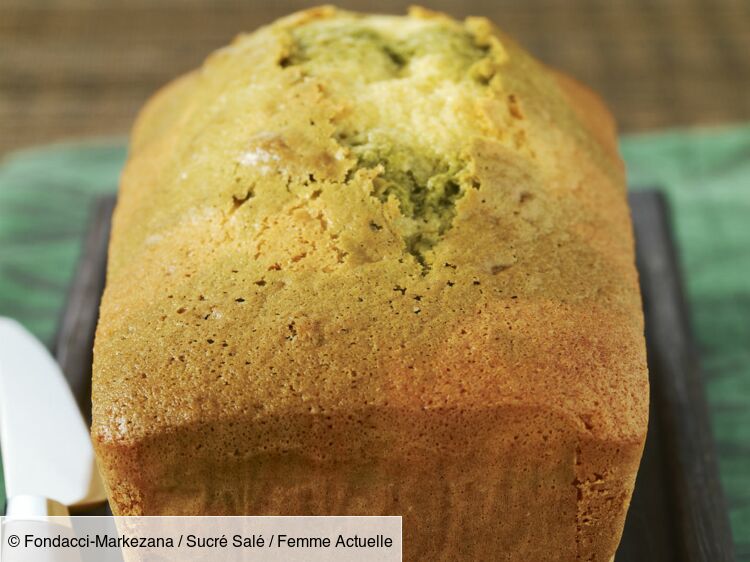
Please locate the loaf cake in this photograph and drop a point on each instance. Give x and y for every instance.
(377, 265)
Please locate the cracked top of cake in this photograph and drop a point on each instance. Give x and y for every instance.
(341, 212)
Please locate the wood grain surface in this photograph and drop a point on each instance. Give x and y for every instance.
(70, 68)
(678, 512)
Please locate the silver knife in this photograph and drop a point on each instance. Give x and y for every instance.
(48, 460)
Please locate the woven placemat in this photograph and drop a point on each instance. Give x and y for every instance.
(76, 67)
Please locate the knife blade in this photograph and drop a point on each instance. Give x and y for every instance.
(46, 448)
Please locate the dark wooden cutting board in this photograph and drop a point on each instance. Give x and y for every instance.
(678, 511)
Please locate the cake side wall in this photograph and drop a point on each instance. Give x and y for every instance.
(483, 485)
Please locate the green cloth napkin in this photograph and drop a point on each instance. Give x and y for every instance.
(46, 195)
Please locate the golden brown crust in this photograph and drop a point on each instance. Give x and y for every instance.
(267, 325)
(591, 111)
(161, 111)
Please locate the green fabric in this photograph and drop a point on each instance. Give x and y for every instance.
(706, 175)
(46, 195)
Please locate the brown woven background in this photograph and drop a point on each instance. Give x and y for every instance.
(70, 68)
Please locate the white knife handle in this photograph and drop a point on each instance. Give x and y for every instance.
(30, 515)
(25, 506)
